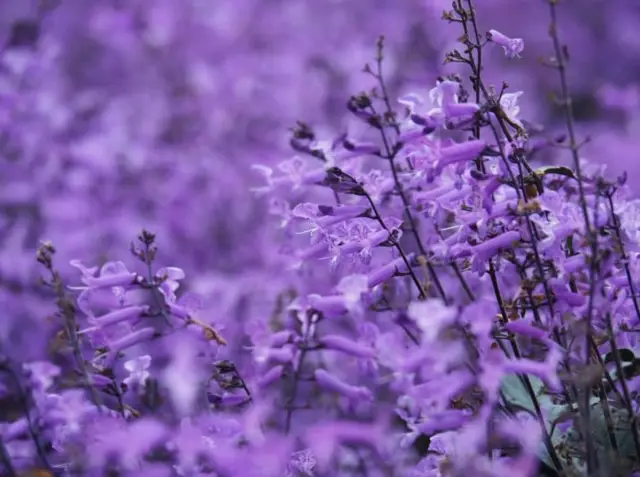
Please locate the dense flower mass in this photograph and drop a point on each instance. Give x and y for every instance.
(432, 273)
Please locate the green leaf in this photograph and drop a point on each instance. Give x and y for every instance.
(515, 393)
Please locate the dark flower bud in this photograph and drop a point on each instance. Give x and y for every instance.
(622, 179)
(147, 238)
(375, 121)
(477, 175)
(225, 366)
(490, 152)
(625, 354)
(24, 34)
(340, 181)
(363, 101)
(349, 146)
(419, 120)
(303, 131)
(214, 399)
(325, 209)
(298, 145)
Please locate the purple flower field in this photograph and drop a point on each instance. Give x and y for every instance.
(320, 238)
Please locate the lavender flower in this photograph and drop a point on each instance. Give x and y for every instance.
(421, 291)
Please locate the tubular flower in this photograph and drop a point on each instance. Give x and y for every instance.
(512, 46)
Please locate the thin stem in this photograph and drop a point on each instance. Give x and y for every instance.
(560, 59)
(561, 67)
(391, 152)
(405, 259)
(67, 311)
(297, 375)
(33, 433)
(5, 458)
(623, 255)
(625, 389)
(524, 378)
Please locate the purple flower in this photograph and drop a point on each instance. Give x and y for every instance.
(183, 377)
(385, 272)
(130, 314)
(432, 317)
(512, 46)
(523, 328)
(127, 341)
(70, 409)
(303, 462)
(271, 376)
(352, 288)
(42, 374)
(112, 274)
(170, 277)
(509, 104)
(332, 383)
(137, 369)
(347, 346)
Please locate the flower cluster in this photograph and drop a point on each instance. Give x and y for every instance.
(439, 304)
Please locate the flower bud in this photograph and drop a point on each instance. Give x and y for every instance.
(116, 280)
(457, 110)
(461, 152)
(271, 376)
(128, 341)
(574, 264)
(99, 380)
(347, 346)
(330, 305)
(386, 272)
(332, 383)
(520, 327)
(493, 246)
(280, 338)
(118, 316)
